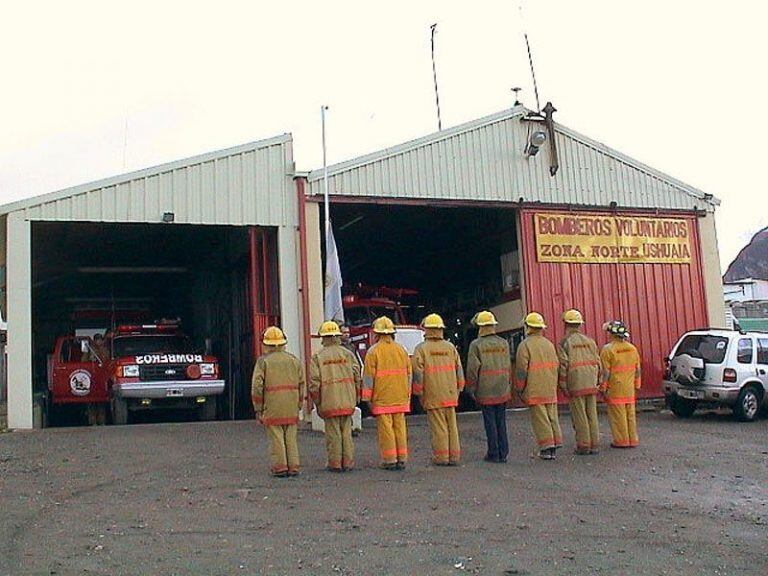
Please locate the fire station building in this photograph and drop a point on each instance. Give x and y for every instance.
(511, 212)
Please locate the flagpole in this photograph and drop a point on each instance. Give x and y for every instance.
(325, 175)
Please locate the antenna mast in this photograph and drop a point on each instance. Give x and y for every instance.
(530, 59)
(433, 30)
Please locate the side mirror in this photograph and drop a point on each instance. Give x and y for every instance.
(84, 346)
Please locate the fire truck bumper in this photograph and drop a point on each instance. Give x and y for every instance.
(169, 389)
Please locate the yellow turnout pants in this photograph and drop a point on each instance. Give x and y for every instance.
(623, 425)
(546, 426)
(584, 418)
(393, 438)
(444, 434)
(284, 448)
(338, 442)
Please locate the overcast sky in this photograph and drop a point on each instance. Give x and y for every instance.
(678, 85)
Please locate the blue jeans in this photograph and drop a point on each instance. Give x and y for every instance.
(495, 420)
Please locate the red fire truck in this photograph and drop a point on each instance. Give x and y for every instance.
(139, 367)
(366, 303)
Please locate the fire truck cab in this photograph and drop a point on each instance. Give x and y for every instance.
(139, 367)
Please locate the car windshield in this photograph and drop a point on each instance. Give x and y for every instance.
(363, 315)
(151, 344)
(710, 348)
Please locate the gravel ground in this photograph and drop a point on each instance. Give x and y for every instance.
(196, 498)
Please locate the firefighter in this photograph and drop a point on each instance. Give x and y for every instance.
(438, 378)
(334, 384)
(489, 378)
(387, 387)
(620, 379)
(579, 376)
(277, 392)
(536, 373)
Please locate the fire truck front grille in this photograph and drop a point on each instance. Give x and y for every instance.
(156, 372)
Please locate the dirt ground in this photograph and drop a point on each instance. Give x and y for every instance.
(195, 498)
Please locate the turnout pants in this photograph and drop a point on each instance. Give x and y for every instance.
(338, 442)
(393, 438)
(444, 433)
(584, 418)
(284, 448)
(546, 426)
(623, 425)
(495, 421)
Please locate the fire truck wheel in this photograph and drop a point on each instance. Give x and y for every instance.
(119, 411)
(207, 411)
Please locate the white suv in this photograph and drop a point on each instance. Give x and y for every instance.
(718, 367)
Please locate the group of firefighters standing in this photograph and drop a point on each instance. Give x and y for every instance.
(434, 373)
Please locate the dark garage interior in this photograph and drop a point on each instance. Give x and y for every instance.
(94, 276)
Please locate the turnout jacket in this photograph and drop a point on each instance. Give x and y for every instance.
(489, 370)
(579, 373)
(387, 377)
(621, 372)
(437, 374)
(536, 370)
(278, 388)
(334, 381)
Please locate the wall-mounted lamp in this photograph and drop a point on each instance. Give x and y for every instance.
(535, 142)
(168, 217)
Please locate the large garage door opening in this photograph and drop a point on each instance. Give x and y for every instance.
(450, 260)
(213, 285)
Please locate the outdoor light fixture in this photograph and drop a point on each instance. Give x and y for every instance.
(535, 142)
(168, 217)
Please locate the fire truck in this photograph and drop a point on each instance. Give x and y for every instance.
(366, 303)
(138, 367)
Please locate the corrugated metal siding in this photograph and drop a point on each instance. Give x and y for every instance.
(248, 185)
(485, 161)
(659, 302)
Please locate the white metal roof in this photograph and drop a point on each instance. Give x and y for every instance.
(484, 160)
(245, 185)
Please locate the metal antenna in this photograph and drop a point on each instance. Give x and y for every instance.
(433, 30)
(516, 90)
(530, 59)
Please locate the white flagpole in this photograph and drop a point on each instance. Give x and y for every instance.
(325, 175)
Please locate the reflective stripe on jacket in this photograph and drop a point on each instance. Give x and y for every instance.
(621, 372)
(579, 364)
(536, 370)
(437, 374)
(278, 388)
(387, 377)
(489, 370)
(334, 381)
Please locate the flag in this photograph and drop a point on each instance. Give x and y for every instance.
(334, 310)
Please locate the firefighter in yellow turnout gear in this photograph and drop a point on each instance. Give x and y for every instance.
(334, 384)
(438, 378)
(621, 377)
(489, 378)
(277, 392)
(579, 378)
(536, 375)
(387, 386)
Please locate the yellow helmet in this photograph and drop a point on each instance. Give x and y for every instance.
(383, 325)
(485, 318)
(329, 328)
(433, 321)
(273, 336)
(573, 316)
(535, 320)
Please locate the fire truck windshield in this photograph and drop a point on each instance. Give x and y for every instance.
(151, 344)
(363, 315)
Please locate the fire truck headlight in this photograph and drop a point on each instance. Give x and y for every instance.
(131, 371)
(207, 369)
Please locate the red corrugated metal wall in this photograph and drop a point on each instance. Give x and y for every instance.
(657, 301)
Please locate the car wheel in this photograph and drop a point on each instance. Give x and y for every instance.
(747, 404)
(119, 411)
(682, 407)
(207, 411)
